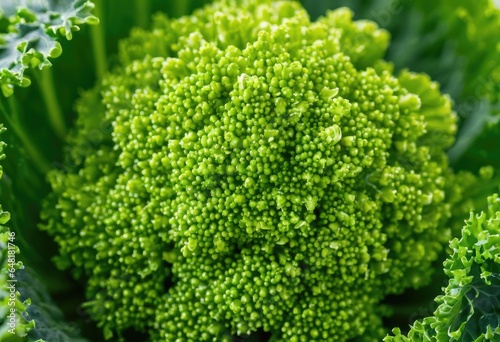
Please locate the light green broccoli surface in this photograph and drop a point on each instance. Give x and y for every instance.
(246, 169)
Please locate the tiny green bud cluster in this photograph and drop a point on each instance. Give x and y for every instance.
(273, 171)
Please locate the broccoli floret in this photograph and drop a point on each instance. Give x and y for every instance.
(469, 308)
(247, 169)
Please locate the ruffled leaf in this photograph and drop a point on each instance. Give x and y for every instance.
(469, 308)
(31, 37)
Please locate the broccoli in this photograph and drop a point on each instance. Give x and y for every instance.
(469, 308)
(454, 42)
(245, 169)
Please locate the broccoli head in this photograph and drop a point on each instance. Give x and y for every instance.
(245, 169)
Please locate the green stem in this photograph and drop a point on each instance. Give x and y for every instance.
(97, 33)
(142, 12)
(38, 159)
(45, 82)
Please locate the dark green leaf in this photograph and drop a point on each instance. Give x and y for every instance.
(31, 38)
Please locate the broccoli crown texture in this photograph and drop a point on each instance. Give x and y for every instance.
(245, 169)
